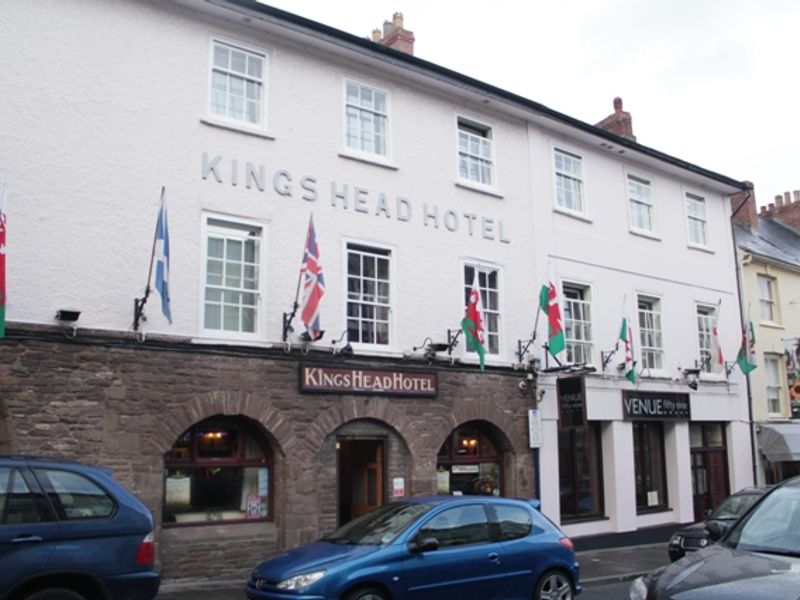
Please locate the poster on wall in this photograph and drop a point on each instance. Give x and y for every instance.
(399, 487)
(443, 481)
(253, 507)
(179, 492)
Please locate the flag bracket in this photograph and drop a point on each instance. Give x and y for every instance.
(523, 350)
(729, 367)
(452, 339)
(605, 357)
(287, 322)
(138, 309)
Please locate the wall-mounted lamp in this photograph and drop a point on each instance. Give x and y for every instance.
(346, 350)
(691, 376)
(68, 317)
(431, 348)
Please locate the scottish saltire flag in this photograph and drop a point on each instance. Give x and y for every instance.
(3, 262)
(161, 250)
(312, 282)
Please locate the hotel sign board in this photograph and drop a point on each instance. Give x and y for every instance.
(665, 406)
(345, 380)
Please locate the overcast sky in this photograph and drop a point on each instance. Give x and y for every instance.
(712, 82)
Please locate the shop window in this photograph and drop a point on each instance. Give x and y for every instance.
(218, 470)
(470, 462)
(649, 466)
(580, 458)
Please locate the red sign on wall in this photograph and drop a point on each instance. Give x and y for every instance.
(338, 380)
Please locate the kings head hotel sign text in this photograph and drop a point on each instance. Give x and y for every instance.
(336, 380)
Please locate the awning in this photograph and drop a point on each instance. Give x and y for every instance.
(780, 442)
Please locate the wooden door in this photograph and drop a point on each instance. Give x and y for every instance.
(360, 477)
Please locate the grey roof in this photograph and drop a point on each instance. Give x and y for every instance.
(772, 240)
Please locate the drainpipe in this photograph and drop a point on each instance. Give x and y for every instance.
(754, 454)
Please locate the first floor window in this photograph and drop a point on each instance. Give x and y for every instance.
(218, 470)
(569, 180)
(475, 152)
(488, 286)
(366, 119)
(696, 219)
(580, 459)
(649, 465)
(578, 324)
(772, 370)
(641, 203)
(368, 295)
(237, 81)
(766, 298)
(231, 296)
(650, 333)
(706, 322)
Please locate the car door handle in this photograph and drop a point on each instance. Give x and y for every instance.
(494, 557)
(26, 538)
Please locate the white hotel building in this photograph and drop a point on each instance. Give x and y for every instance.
(417, 178)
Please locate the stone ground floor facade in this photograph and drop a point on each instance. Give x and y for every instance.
(167, 416)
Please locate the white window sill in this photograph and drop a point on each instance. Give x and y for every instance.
(655, 374)
(705, 249)
(234, 126)
(645, 234)
(572, 213)
(713, 377)
(374, 350)
(228, 340)
(371, 159)
(771, 325)
(477, 187)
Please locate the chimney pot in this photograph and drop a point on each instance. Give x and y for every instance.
(797, 195)
(617, 104)
(787, 198)
(388, 28)
(778, 201)
(376, 35)
(397, 20)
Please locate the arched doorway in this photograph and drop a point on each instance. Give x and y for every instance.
(470, 461)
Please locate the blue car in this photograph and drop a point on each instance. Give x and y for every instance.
(69, 531)
(459, 547)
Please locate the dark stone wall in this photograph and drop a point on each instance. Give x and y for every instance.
(110, 400)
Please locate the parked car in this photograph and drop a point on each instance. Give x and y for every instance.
(756, 557)
(69, 531)
(429, 549)
(695, 536)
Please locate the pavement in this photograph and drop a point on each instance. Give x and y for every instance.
(606, 565)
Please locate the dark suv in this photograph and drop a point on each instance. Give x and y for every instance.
(70, 532)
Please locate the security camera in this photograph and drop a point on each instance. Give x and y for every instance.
(522, 385)
(541, 394)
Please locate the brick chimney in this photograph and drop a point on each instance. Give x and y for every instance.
(785, 209)
(395, 35)
(746, 216)
(619, 122)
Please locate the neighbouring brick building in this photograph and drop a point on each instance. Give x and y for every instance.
(425, 185)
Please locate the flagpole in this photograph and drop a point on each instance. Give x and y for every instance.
(287, 321)
(138, 304)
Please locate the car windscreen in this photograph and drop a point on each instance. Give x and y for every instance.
(380, 526)
(773, 526)
(734, 506)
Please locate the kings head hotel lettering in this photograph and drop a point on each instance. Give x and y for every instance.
(337, 380)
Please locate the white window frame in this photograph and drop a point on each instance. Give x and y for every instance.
(578, 331)
(235, 228)
(226, 120)
(357, 151)
(488, 311)
(694, 221)
(767, 307)
(561, 174)
(706, 317)
(472, 132)
(377, 250)
(772, 385)
(651, 332)
(639, 204)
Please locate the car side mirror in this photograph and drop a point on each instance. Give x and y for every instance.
(716, 529)
(424, 545)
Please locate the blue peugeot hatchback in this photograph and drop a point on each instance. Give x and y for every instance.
(69, 531)
(479, 547)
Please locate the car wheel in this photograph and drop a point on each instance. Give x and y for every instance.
(55, 594)
(366, 594)
(554, 585)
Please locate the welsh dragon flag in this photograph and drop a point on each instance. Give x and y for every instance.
(626, 337)
(472, 323)
(746, 359)
(548, 301)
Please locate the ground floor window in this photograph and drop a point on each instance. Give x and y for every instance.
(649, 465)
(218, 470)
(580, 459)
(470, 462)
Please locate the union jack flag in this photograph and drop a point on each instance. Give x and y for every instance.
(313, 284)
